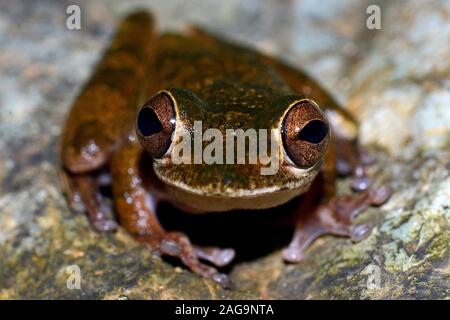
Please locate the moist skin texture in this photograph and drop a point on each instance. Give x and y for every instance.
(198, 77)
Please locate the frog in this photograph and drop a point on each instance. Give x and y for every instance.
(149, 89)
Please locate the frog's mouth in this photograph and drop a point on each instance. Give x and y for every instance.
(222, 188)
(202, 202)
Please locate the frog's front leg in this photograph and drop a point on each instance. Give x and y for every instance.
(321, 212)
(334, 217)
(136, 199)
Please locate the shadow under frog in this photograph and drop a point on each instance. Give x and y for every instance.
(117, 136)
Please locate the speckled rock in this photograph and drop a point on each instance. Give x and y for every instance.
(395, 81)
(406, 256)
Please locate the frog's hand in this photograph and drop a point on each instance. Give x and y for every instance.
(104, 111)
(136, 196)
(332, 217)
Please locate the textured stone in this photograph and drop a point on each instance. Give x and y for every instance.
(395, 81)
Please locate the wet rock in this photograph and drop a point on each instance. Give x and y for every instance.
(405, 256)
(44, 248)
(395, 81)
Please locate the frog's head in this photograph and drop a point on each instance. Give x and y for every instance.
(203, 170)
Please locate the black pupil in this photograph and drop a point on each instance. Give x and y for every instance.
(148, 122)
(314, 132)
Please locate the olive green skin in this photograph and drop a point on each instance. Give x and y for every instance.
(198, 77)
(224, 85)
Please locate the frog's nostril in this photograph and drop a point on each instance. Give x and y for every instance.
(148, 122)
(314, 132)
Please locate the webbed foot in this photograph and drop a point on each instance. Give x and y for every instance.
(333, 217)
(177, 244)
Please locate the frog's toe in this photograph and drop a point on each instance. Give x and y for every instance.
(76, 204)
(294, 253)
(361, 183)
(380, 195)
(223, 280)
(177, 244)
(305, 234)
(217, 256)
(366, 157)
(360, 231)
(101, 217)
(333, 217)
(105, 225)
(343, 167)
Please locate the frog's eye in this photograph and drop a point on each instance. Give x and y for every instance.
(305, 134)
(155, 123)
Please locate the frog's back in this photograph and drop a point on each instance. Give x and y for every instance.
(222, 74)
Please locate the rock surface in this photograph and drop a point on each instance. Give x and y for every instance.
(395, 80)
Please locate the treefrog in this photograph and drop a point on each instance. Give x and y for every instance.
(148, 88)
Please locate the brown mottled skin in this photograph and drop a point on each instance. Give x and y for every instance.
(227, 87)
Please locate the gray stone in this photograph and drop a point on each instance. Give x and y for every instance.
(395, 81)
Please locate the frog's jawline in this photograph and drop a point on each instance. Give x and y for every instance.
(200, 200)
(200, 203)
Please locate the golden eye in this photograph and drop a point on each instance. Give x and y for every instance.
(155, 123)
(305, 133)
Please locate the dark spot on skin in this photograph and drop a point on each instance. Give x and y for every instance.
(314, 132)
(148, 122)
